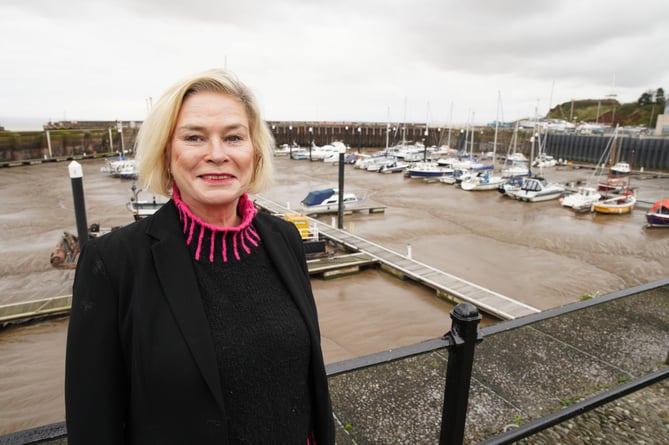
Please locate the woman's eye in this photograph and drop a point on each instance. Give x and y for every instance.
(193, 138)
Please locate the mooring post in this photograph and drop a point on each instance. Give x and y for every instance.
(464, 335)
(340, 203)
(76, 178)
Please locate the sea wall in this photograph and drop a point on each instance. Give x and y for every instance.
(104, 137)
(59, 143)
(647, 153)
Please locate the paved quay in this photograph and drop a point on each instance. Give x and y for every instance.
(521, 374)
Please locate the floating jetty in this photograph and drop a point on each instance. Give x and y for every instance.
(447, 286)
(347, 210)
(34, 310)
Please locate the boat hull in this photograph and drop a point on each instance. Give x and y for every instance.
(614, 207)
(520, 195)
(657, 219)
(480, 186)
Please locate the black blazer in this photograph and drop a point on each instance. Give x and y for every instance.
(140, 363)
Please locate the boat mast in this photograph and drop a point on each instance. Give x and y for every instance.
(494, 144)
(404, 127)
(471, 155)
(387, 130)
(450, 126)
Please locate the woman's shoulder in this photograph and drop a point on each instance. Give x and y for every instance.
(138, 231)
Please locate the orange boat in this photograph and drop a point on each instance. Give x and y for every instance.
(658, 215)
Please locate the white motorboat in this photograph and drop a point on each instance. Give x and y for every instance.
(536, 189)
(428, 170)
(327, 152)
(581, 200)
(142, 208)
(545, 160)
(482, 181)
(393, 166)
(327, 200)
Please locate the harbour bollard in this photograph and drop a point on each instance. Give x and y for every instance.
(340, 201)
(76, 178)
(409, 251)
(463, 336)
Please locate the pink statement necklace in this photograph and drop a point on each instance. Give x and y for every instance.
(243, 235)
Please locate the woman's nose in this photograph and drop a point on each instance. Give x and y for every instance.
(217, 150)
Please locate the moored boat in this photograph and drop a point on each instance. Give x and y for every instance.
(516, 169)
(658, 215)
(395, 166)
(581, 200)
(618, 205)
(326, 200)
(427, 170)
(141, 208)
(536, 189)
(482, 181)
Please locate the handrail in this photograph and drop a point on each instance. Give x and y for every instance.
(459, 342)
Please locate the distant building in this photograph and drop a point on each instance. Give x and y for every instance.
(662, 126)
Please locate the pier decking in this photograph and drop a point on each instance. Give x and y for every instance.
(455, 288)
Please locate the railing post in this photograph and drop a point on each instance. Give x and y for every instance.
(464, 335)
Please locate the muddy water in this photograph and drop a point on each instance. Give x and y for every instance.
(538, 253)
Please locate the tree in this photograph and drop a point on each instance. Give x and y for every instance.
(646, 98)
(659, 97)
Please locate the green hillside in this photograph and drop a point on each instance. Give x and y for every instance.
(609, 111)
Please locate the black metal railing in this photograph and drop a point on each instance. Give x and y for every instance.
(460, 342)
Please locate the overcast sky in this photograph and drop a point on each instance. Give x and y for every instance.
(438, 61)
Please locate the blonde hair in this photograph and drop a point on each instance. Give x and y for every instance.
(152, 147)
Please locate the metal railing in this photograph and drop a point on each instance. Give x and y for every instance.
(460, 343)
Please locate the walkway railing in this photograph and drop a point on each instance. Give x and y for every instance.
(460, 343)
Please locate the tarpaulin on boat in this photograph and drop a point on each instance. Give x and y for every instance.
(661, 206)
(317, 196)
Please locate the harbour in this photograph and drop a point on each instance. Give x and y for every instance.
(540, 254)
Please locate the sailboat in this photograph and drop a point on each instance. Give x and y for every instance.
(484, 180)
(624, 201)
(517, 164)
(542, 158)
(618, 205)
(586, 195)
(618, 172)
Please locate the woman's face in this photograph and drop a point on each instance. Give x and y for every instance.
(212, 155)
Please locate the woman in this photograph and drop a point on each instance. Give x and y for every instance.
(197, 325)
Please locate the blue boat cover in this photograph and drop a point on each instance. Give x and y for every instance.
(317, 196)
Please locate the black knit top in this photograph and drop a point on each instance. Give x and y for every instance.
(261, 341)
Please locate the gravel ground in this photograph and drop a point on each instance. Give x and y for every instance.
(641, 418)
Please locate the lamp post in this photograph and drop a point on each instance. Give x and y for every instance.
(340, 204)
(360, 139)
(290, 140)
